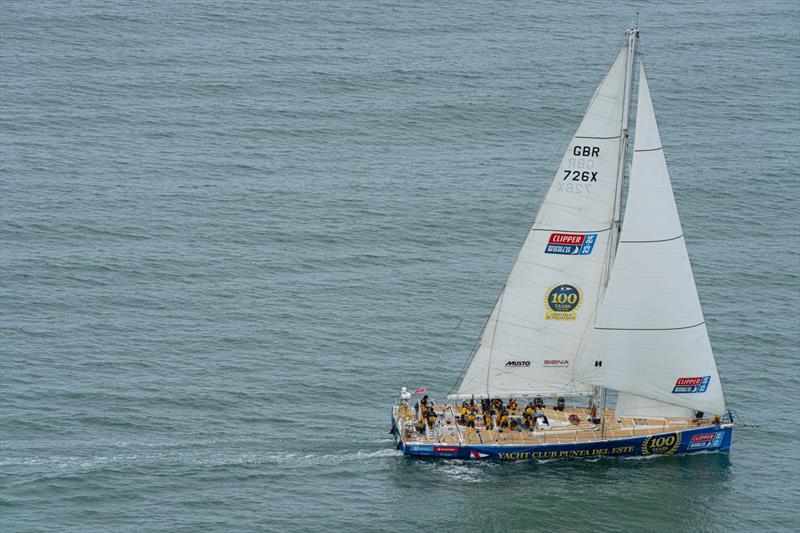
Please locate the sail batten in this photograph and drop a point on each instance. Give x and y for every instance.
(654, 240)
(650, 340)
(653, 329)
(571, 229)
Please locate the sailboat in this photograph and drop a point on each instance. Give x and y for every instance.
(595, 308)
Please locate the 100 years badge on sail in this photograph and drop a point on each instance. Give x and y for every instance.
(562, 302)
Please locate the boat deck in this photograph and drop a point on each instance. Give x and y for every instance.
(561, 431)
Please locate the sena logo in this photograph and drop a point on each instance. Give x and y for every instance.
(518, 363)
(550, 363)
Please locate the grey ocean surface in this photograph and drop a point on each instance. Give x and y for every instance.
(232, 231)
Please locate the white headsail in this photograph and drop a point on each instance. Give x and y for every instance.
(531, 339)
(650, 340)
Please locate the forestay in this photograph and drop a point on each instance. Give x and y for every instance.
(650, 340)
(532, 336)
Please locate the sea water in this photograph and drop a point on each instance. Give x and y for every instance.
(231, 231)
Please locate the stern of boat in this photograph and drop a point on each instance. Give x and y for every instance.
(396, 430)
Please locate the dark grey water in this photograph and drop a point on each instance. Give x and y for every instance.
(231, 231)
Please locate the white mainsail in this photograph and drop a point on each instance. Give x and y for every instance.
(650, 340)
(532, 336)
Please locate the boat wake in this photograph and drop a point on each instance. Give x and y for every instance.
(65, 464)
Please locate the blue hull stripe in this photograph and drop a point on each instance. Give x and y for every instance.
(671, 443)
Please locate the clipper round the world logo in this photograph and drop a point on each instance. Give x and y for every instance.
(571, 243)
(691, 385)
(562, 302)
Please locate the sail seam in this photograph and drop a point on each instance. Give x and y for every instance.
(653, 329)
(572, 230)
(600, 138)
(649, 149)
(659, 240)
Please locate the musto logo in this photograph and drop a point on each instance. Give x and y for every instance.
(689, 385)
(562, 302)
(706, 440)
(571, 243)
(662, 444)
(518, 363)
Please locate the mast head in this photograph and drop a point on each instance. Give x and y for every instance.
(634, 30)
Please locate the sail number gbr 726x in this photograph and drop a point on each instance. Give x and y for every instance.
(585, 175)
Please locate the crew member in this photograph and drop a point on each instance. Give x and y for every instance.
(560, 404)
(527, 416)
(471, 421)
(529, 422)
(503, 423)
(538, 402)
(431, 418)
(512, 404)
(487, 419)
(464, 412)
(405, 397)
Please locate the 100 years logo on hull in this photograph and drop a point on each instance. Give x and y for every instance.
(661, 444)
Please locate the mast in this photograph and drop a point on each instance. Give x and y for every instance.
(633, 38)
